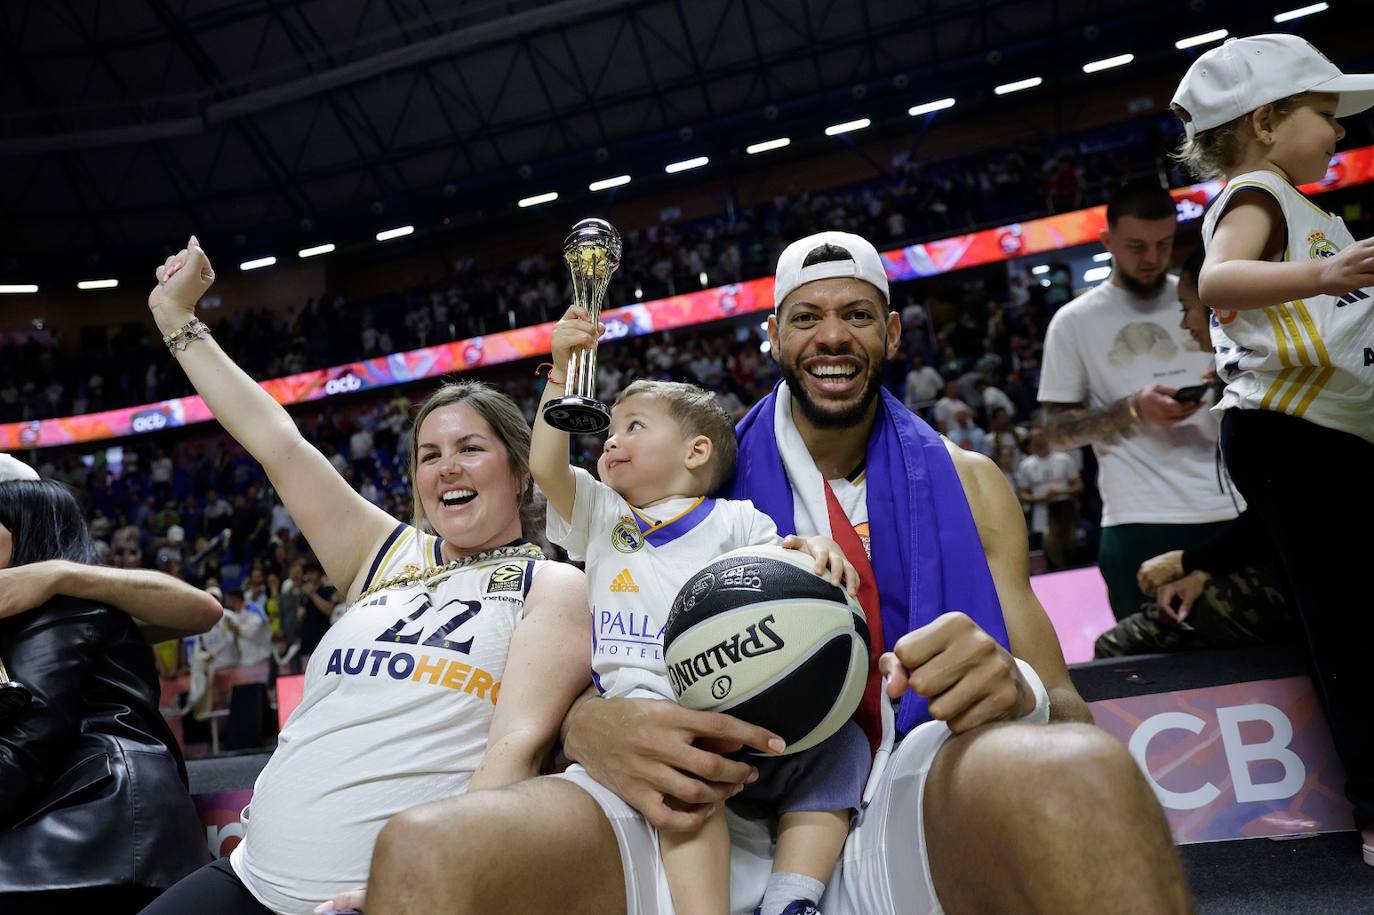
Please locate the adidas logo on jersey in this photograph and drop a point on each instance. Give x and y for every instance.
(624, 582)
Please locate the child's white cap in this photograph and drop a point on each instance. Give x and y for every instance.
(1246, 73)
(11, 468)
(826, 255)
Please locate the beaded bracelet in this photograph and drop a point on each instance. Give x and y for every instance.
(182, 337)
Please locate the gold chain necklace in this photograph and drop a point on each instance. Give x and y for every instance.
(520, 551)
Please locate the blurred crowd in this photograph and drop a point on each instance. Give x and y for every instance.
(916, 199)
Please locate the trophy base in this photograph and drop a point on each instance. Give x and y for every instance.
(577, 415)
(14, 698)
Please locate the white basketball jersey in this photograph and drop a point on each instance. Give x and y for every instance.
(1312, 357)
(397, 705)
(635, 562)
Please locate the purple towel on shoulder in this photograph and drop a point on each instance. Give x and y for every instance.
(926, 553)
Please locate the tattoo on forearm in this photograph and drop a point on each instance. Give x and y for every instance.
(1073, 427)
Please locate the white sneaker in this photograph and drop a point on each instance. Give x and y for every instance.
(1368, 835)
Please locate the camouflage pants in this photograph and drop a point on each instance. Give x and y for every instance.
(1245, 607)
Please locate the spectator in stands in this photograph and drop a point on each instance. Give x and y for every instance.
(1103, 354)
(1049, 484)
(1004, 434)
(923, 385)
(948, 407)
(430, 706)
(966, 434)
(89, 754)
(318, 601)
(1223, 593)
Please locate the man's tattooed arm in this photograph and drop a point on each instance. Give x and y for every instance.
(1074, 425)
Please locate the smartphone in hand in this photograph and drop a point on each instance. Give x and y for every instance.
(1190, 394)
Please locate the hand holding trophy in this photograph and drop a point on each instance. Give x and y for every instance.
(592, 253)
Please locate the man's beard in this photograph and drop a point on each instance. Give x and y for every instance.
(1143, 289)
(848, 416)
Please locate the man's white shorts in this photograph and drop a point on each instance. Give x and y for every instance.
(884, 868)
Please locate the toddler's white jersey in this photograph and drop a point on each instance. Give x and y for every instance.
(636, 560)
(1312, 357)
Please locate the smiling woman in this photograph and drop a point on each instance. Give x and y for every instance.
(447, 614)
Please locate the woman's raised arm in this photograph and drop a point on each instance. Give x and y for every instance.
(342, 527)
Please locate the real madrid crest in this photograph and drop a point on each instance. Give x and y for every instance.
(1318, 245)
(625, 536)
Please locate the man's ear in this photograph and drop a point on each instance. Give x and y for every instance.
(894, 334)
(774, 338)
(699, 451)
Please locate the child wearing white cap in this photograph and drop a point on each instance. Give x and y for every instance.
(1292, 299)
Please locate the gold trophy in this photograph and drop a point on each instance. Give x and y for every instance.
(592, 253)
(14, 697)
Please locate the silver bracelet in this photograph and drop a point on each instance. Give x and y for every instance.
(193, 330)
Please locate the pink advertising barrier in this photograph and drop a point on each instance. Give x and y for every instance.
(1239, 761)
(1077, 605)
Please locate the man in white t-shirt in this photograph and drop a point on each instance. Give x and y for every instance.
(923, 384)
(1114, 361)
(1048, 484)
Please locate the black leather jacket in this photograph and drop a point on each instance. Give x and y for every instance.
(92, 784)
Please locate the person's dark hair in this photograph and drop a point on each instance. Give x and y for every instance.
(234, 592)
(312, 565)
(45, 522)
(1192, 267)
(1144, 199)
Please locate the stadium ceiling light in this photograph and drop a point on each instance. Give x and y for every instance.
(1204, 38)
(1017, 86)
(846, 127)
(1108, 63)
(928, 107)
(1096, 274)
(537, 199)
(1040, 269)
(673, 168)
(97, 284)
(768, 145)
(259, 262)
(398, 232)
(605, 184)
(1301, 11)
(17, 288)
(1102, 256)
(318, 249)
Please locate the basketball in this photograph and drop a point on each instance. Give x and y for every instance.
(758, 635)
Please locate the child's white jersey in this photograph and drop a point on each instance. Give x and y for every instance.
(397, 705)
(1312, 357)
(636, 561)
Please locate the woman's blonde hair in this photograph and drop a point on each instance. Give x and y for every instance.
(506, 421)
(1213, 152)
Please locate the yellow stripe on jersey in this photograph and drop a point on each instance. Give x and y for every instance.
(1298, 342)
(1312, 392)
(1304, 376)
(1301, 308)
(392, 553)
